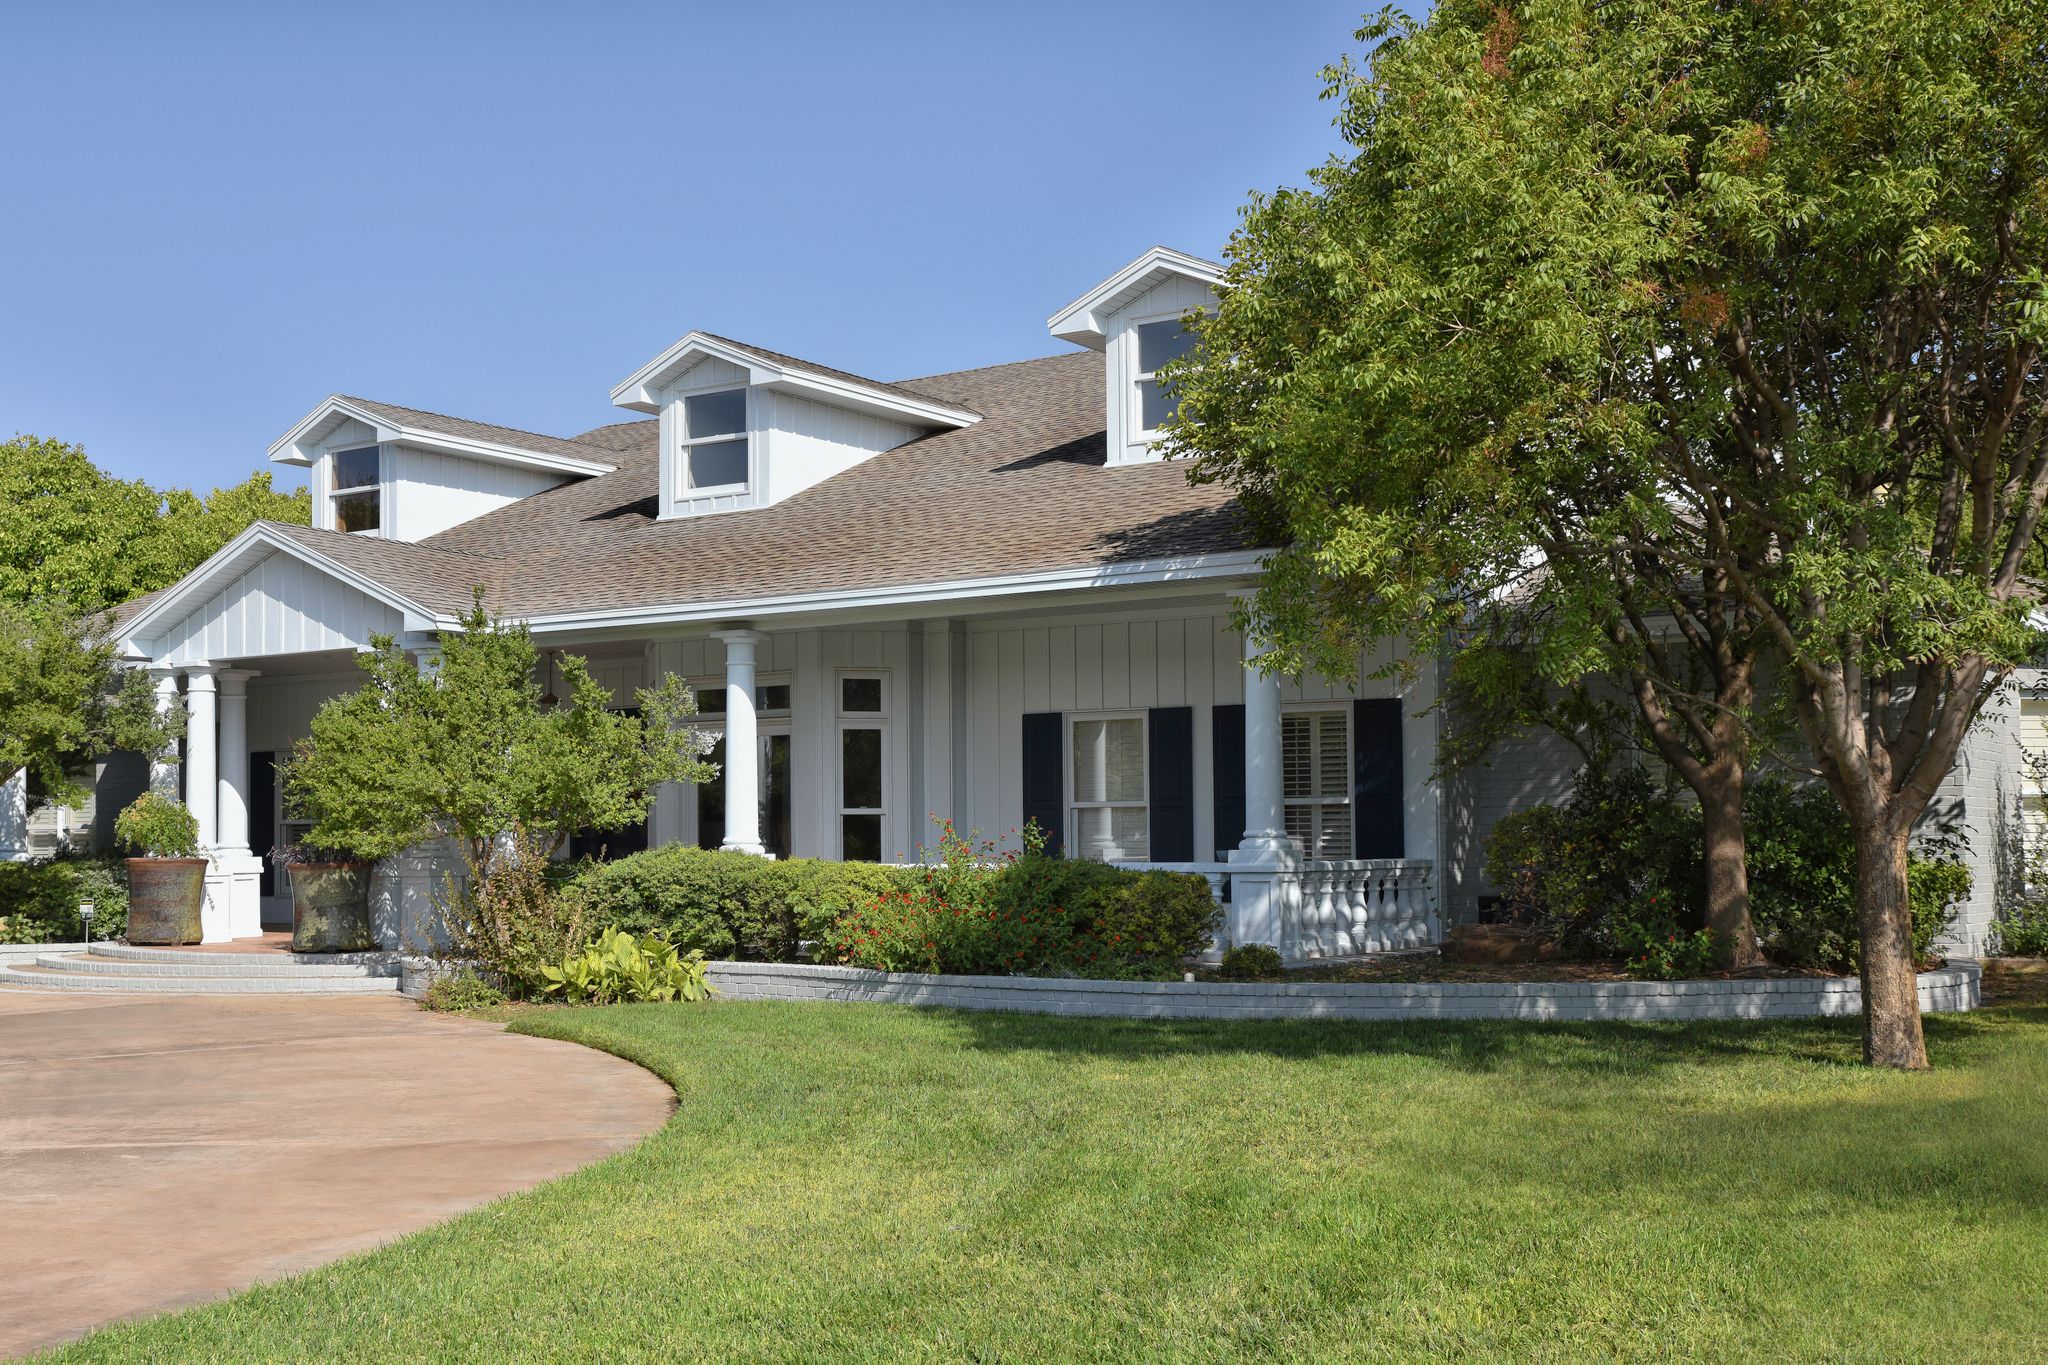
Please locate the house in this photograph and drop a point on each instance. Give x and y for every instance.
(980, 594)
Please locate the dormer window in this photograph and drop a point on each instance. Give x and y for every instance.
(714, 442)
(356, 491)
(1159, 343)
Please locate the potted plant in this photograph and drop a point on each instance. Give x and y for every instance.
(167, 883)
(330, 899)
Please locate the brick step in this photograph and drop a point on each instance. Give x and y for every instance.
(222, 964)
(39, 978)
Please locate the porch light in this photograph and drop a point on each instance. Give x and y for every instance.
(85, 918)
(548, 700)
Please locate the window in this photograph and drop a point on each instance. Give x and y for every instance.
(356, 494)
(1158, 343)
(714, 441)
(769, 699)
(771, 712)
(1110, 817)
(1315, 781)
(862, 749)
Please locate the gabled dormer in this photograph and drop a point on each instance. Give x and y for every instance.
(1134, 319)
(396, 473)
(742, 427)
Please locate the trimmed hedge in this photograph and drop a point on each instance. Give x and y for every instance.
(727, 905)
(39, 901)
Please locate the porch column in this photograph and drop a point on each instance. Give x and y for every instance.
(742, 744)
(1265, 866)
(163, 766)
(236, 883)
(202, 751)
(14, 818)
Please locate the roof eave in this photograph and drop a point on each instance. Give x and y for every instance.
(295, 446)
(1085, 321)
(637, 391)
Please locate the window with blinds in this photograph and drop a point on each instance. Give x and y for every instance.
(1315, 776)
(1110, 816)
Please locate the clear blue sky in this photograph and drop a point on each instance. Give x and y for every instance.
(220, 214)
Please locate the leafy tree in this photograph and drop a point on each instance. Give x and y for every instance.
(1755, 290)
(70, 531)
(467, 751)
(65, 700)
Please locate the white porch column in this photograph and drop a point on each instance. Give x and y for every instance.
(202, 754)
(1265, 866)
(742, 744)
(14, 818)
(163, 766)
(237, 877)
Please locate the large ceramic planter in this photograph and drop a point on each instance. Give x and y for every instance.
(331, 908)
(164, 899)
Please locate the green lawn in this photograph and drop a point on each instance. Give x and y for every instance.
(868, 1182)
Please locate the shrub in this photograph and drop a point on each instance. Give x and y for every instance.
(2021, 931)
(514, 920)
(620, 968)
(158, 826)
(455, 992)
(1250, 962)
(1654, 944)
(726, 904)
(39, 900)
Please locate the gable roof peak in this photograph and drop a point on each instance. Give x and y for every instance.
(774, 370)
(1085, 321)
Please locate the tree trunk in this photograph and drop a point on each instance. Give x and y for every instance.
(1891, 989)
(1728, 917)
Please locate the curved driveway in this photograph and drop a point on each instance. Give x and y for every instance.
(160, 1152)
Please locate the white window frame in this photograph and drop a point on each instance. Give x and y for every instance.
(1134, 393)
(684, 490)
(1342, 710)
(844, 720)
(1075, 805)
(381, 487)
(766, 723)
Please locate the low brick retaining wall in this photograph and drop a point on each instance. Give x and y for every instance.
(1951, 988)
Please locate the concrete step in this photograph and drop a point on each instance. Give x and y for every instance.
(223, 964)
(40, 978)
(128, 952)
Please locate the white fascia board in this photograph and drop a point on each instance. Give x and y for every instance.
(189, 592)
(1085, 321)
(636, 391)
(1235, 564)
(294, 446)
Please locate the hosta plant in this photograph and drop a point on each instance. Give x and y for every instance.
(620, 968)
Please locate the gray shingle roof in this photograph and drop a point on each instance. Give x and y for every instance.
(911, 388)
(479, 431)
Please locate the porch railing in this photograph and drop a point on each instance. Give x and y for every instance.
(1356, 906)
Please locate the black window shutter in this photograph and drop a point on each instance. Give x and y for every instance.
(1172, 791)
(1376, 778)
(1045, 795)
(1227, 727)
(263, 816)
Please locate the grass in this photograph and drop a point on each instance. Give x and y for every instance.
(846, 1182)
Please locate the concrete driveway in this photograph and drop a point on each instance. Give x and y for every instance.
(160, 1152)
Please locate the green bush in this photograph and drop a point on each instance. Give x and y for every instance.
(157, 826)
(1250, 962)
(2021, 931)
(620, 968)
(726, 905)
(454, 992)
(39, 900)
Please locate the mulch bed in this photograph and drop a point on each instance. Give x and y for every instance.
(1428, 967)
(2016, 981)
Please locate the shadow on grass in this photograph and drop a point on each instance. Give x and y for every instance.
(1484, 1045)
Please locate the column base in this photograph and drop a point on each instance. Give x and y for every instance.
(1265, 882)
(234, 898)
(752, 850)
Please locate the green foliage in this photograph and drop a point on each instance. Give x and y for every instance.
(65, 700)
(969, 909)
(620, 968)
(1653, 944)
(39, 900)
(467, 751)
(457, 992)
(158, 826)
(507, 912)
(727, 905)
(74, 534)
(1251, 962)
(2022, 931)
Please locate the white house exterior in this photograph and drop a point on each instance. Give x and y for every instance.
(980, 595)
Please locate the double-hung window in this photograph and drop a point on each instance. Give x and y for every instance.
(1108, 809)
(1158, 343)
(1315, 781)
(714, 442)
(863, 803)
(356, 489)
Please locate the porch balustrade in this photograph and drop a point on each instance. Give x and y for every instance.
(1357, 906)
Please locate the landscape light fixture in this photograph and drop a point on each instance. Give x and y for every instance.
(85, 918)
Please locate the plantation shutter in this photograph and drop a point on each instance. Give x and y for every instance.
(263, 816)
(1226, 728)
(1376, 779)
(1044, 788)
(1315, 780)
(1173, 784)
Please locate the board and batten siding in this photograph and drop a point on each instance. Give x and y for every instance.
(428, 492)
(279, 606)
(1169, 298)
